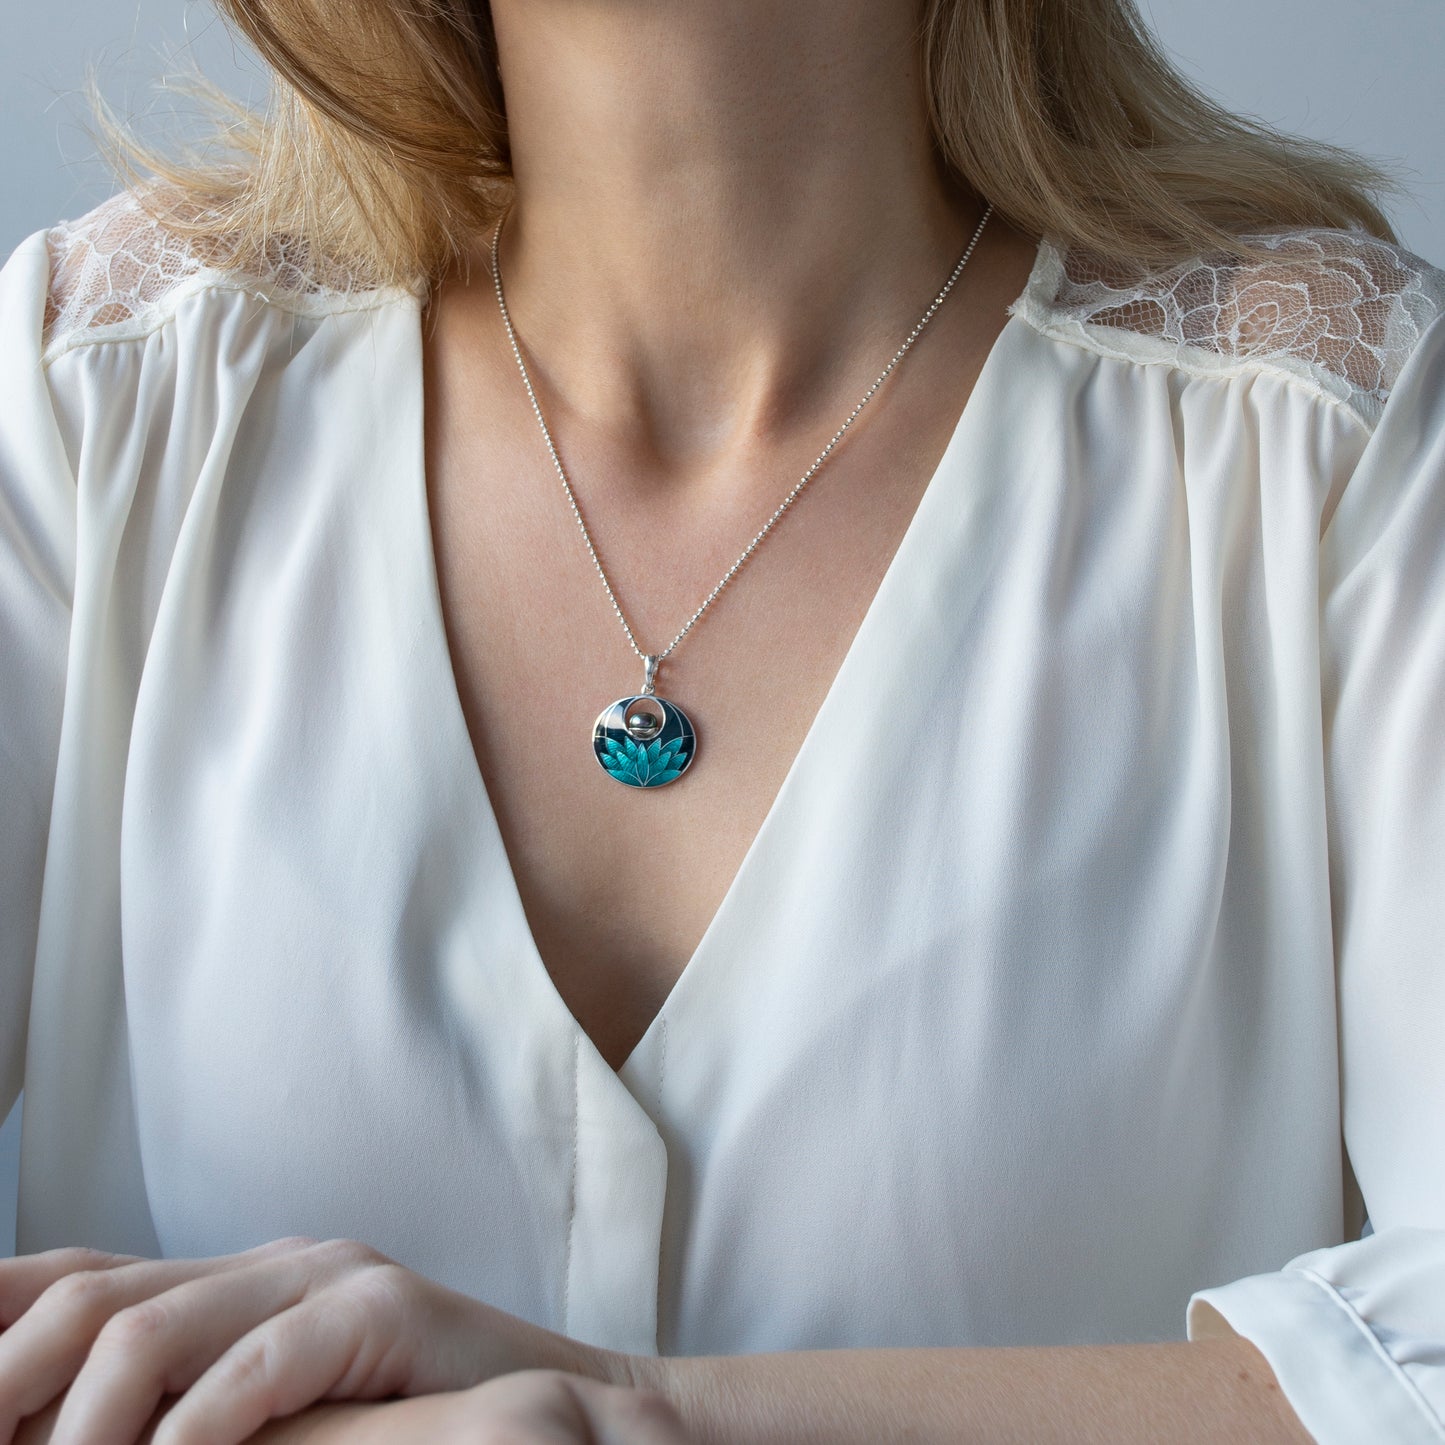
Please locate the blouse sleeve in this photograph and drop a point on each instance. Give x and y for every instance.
(1355, 1333)
(37, 562)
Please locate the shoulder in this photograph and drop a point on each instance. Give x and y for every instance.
(1339, 311)
(122, 270)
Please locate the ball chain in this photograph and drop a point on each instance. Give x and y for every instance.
(652, 660)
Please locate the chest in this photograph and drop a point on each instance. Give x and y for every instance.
(619, 884)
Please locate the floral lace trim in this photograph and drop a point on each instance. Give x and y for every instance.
(117, 272)
(1341, 310)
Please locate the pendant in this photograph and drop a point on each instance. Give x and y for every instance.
(644, 741)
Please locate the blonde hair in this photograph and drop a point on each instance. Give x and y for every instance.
(385, 145)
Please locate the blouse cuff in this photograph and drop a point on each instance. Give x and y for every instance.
(1346, 1380)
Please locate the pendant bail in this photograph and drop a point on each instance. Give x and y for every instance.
(650, 662)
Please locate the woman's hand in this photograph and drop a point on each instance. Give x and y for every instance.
(244, 1338)
(534, 1407)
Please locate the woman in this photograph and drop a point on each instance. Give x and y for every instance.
(1030, 928)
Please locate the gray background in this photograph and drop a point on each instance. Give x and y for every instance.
(1361, 73)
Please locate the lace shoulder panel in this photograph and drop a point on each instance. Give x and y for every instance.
(1340, 309)
(118, 272)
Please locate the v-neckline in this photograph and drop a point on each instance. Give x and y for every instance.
(434, 628)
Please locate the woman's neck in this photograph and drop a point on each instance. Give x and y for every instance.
(726, 213)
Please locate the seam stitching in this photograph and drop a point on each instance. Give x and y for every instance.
(1096, 339)
(160, 313)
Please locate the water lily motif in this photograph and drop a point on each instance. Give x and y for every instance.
(644, 765)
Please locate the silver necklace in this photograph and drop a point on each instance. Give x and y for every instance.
(642, 740)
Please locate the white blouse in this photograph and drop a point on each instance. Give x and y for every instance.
(1095, 940)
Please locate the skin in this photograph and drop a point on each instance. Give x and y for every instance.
(728, 217)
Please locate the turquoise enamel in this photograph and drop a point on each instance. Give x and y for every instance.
(644, 741)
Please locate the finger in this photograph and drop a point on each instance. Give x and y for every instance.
(161, 1345)
(617, 1415)
(41, 1353)
(26, 1277)
(338, 1344)
(35, 1429)
(550, 1407)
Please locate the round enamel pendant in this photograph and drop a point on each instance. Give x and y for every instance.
(644, 741)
